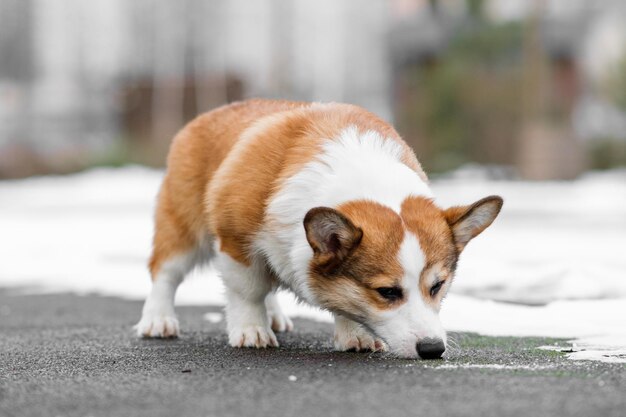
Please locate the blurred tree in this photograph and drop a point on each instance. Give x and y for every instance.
(609, 152)
(615, 84)
(16, 40)
(464, 103)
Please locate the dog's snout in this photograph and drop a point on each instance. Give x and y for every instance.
(431, 348)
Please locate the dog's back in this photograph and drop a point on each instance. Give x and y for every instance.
(196, 153)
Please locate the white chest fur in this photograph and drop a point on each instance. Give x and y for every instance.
(354, 166)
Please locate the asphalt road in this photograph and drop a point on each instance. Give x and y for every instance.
(64, 355)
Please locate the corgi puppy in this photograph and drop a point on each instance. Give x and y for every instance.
(325, 200)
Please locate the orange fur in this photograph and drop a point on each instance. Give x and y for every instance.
(373, 263)
(196, 153)
(428, 223)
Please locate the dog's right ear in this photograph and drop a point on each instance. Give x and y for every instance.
(332, 237)
(467, 222)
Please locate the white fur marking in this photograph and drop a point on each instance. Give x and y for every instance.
(414, 320)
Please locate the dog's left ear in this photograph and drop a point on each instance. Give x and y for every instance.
(332, 237)
(467, 222)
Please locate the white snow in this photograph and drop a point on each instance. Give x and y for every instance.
(495, 366)
(214, 317)
(553, 264)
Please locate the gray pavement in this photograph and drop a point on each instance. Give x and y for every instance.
(64, 355)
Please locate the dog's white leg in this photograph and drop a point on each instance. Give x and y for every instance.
(280, 321)
(350, 335)
(246, 315)
(158, 318)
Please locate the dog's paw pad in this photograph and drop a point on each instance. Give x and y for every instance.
(280, 322)
(158, 326)
(252, 336)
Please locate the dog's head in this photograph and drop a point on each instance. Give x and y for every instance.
(390, 271)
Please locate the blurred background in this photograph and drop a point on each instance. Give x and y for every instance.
(535, 86)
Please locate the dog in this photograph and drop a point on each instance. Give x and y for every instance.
(323, 199)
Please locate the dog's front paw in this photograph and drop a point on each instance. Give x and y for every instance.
(252, 336)
(158, 326)
(350, 336)
(280, 321)
(359, 343)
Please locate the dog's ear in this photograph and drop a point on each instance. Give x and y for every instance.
(332, 237)
(467, 222)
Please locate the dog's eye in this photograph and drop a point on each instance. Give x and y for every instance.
(435, 288)
(390, 293)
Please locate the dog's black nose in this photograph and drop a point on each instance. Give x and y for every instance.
(431, 348)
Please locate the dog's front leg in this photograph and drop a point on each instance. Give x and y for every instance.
(247, 286)
(351, 336)
(280, 321)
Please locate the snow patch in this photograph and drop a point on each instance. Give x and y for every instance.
(496, 366)
(214, 317)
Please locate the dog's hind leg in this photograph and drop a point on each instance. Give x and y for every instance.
(176, 251)
(158, 318)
